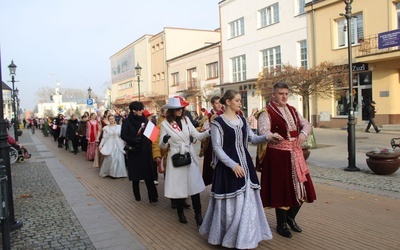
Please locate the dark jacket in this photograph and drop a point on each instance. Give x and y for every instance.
(140, 163)
(371, 111)
(72, 127)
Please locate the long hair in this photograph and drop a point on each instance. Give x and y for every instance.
(171, 117)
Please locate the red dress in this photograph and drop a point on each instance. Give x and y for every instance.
(92, 130)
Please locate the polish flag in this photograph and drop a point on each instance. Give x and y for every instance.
(151, 131)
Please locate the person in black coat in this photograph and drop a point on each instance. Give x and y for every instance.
(56, 126)
(371, 115)
(140, 160)
(72, 133)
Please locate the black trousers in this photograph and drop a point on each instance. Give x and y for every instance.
(151, 189)
(372, 122)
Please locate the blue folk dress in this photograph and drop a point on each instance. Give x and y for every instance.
(235, 216)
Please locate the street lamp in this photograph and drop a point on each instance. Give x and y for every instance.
(12, 67)
(138, 69)
(351, 139)
(5, 155)
(16, 92)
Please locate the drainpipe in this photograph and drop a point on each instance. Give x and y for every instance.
(314, 55)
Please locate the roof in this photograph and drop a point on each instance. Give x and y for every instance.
(5, 86)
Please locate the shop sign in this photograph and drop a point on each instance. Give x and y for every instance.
(357, 67)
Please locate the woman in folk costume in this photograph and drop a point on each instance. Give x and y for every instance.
(181, 182)
(112, 147)
(92, 136)
(235, 216)
(140, 160)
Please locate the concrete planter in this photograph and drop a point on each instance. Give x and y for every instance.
(383, 164)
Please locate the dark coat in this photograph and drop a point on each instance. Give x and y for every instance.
(140, 163)
(72, 127)
(371, 111)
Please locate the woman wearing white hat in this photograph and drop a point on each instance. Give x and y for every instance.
(181, 182)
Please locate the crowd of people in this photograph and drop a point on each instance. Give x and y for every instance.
(235, 216)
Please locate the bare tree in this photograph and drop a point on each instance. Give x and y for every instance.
(320, 81)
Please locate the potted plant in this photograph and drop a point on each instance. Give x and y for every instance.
(383, 162)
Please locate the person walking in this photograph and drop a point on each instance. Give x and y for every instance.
(235, 216)
(63, 135)
(112, 147)
(371, 117)
(140, 156)
(92, 136)
(285, 179)
(206, 144)
(56, 126)
(181, 182)
(72, 135)
(82, 127)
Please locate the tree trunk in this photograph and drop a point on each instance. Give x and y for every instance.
(306, 107)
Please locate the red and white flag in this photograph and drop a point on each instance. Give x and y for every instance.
(151, 131)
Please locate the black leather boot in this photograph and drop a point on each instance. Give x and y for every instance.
(291, 214)
(197, 209)
(181, 215)
(281, 227)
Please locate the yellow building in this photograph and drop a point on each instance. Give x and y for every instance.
(375, 43)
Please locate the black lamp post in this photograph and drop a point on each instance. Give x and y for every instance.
(5, 155)
(89, 91)
(12, 67)
(16, 92)
(138, 69)
(351, 125)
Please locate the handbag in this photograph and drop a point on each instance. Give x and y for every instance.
(180, 160)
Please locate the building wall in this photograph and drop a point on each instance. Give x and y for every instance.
(286, 33)
(197, 59)
(382, 65)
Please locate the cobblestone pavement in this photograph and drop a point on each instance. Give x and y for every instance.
(361, 220)
(49, 222)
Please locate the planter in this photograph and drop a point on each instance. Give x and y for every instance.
(306, 152)
(383, 164)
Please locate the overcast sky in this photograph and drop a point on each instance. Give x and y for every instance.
(72, 40)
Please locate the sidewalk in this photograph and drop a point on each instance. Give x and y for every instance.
(64, 204)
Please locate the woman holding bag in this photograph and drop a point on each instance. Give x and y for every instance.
(183, 181)
(112, 147)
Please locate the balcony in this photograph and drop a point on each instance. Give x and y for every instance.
(368, 50)
(188, 85)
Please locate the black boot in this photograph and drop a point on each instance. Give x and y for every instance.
(281, 227)
(185, 204)
(181, 215)
(173, 204)
(136, 191)
(291, 215)
(197, 209)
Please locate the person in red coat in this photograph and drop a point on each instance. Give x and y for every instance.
(285, 180)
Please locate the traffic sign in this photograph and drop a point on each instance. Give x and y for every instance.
(89, 102)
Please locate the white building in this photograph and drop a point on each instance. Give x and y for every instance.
(57, 106)
(259, 34)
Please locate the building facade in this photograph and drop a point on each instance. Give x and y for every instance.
(257, 35)
(194, 76)
(375, 57)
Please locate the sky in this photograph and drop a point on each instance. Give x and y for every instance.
(71, 41)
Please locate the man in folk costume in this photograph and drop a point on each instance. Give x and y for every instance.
(206, 146)
(285, 179)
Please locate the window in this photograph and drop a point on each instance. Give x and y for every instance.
(268, 15)
(161, 45)
(212, 70)
(271, 58)
(398, 14)
(191, 78)
(162, 76)
(175, 78)
(303, 53)
(154, 78)
(238, 68)
(153, 49)
(357, 30)
(237, 27)
(300, 6)
(158, 77)
(125, 85)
